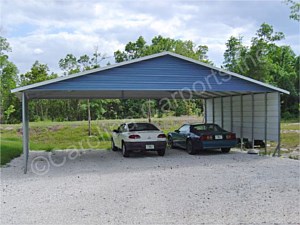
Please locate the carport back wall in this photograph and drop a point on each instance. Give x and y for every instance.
(240, 119)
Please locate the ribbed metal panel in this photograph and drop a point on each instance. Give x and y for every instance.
(166, 73)
(273, 115)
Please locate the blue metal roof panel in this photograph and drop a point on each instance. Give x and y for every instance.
(162, 73)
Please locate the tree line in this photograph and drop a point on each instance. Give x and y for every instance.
(263, 60)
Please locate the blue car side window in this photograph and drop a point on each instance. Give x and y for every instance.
(184, 129)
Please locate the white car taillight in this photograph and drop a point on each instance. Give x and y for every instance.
(134, 136)
(161, 136)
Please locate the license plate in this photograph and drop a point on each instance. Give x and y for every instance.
(149, 146)
(218, 137)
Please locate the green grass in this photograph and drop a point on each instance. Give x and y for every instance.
(290, 126)
(290, 135)
(292, 120)
(10, 149)
(50, 136)
(289, 140)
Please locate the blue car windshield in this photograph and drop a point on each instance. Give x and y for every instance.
(141, 127)
(207, 127)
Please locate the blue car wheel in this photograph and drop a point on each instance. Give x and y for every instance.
(225, 150)
(190, 148)
(170, 142)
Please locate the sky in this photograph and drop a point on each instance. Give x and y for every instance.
(47, 30)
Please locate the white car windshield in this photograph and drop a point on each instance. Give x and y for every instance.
(141, 127)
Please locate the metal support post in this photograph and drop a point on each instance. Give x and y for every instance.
(213, 109)
(277, 150)
(231, 115)
(205, 111)
(266, 121)
(242, 121)
(25, 125)
(222, 113)
(252, 126)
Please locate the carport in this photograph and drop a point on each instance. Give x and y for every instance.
(248, 107)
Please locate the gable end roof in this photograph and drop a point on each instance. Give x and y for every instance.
(43, 83)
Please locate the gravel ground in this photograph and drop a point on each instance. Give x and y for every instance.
(102, 187)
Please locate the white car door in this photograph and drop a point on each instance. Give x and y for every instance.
(119, 136)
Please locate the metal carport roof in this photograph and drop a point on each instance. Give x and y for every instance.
(154, 76)
(162, 75)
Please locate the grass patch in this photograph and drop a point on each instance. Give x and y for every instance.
(289, 140)
(292, 120)
(10, 149)
(290, 126)
(50, 136)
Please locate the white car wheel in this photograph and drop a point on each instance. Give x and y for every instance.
(113, 146)
(124, 150)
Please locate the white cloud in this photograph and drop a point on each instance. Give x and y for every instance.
(38, 51)
(48, 30)
(56, 46)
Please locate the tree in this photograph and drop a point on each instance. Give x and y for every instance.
(295, 9)
(266, 61)
(96, 59)
(84, 62)
(69, 64)
(232, 55)
(39, 72)
(139, 48)
(38, 109)
(9, 104)
(255, 60)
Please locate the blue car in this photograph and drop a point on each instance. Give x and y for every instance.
(195, 137)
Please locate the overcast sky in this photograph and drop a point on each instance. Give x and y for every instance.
(47, 30)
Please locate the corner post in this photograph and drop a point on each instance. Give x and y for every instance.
(205, 111)
(266, 121)
(25, 126)
(242, 122)
(277, 150)
(213, 109)
(252, 120)
(222, 112)
(279, 125)
(231, 114)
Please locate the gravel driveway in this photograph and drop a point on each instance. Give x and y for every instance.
(102, 187)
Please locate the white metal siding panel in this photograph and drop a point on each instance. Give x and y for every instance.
(247, 116)
(218, 119)
(273, 116)
(209, 109)
(236, 111)
(259, 115)
(226, 114)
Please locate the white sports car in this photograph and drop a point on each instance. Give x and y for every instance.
(136, 137)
